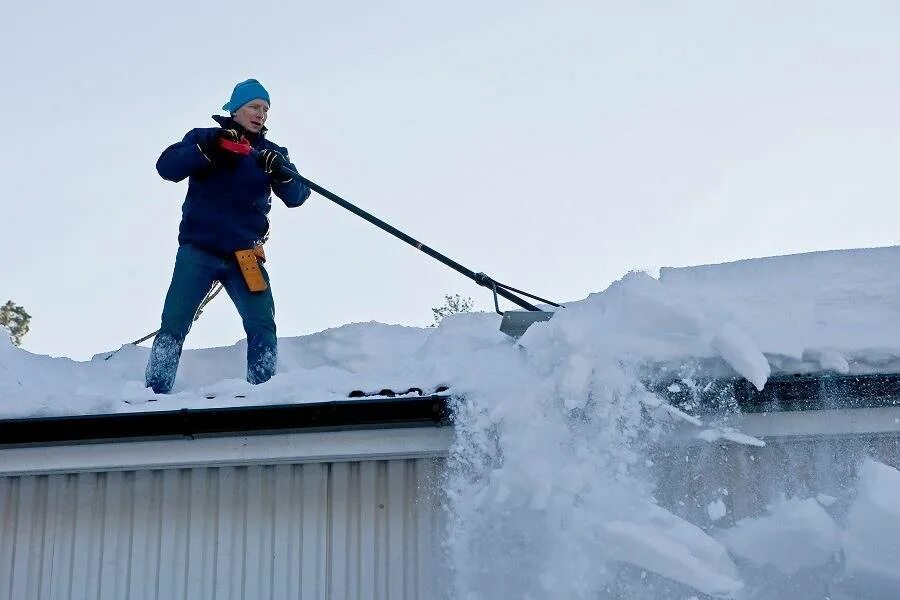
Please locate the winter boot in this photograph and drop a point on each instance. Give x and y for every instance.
(163, 363)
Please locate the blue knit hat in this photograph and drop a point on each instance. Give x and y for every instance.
(244, 92)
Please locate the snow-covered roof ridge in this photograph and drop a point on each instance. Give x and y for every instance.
(830, 302)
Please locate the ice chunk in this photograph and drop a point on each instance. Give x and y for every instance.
(716, 510)
(796, 534)
(673, 548)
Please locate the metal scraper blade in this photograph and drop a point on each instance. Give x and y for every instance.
(515, 322)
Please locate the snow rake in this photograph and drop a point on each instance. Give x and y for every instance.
(514, 322)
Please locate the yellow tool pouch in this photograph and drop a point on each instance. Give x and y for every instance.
(248, 260)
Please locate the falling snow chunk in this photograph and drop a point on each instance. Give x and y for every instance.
(730, 434)
(796, 534)
(742, 353)
(825, 500)
(665, 410)
(674, 548)
(716, 510)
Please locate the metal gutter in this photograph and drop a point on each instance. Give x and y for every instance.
(425, 411)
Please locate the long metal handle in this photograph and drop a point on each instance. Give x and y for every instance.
(479, 278)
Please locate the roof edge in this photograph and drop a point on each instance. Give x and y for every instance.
(340, 415)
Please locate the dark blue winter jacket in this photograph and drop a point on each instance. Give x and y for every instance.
(226, 207)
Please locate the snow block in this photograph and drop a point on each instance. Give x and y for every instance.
(672, 547)
(796, 534)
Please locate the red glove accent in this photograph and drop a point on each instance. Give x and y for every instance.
(243, 147)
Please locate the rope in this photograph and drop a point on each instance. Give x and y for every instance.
(213, 292)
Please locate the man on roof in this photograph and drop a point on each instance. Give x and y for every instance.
(231, 171)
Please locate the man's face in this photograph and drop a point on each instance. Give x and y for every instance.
(252, 116)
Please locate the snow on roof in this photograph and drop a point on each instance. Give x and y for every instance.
(833, 310)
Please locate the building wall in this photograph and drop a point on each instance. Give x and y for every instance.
(327, 530)
(748, 479)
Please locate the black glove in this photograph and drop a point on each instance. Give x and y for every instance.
(219, 156)
(271, 162)
(231, 135)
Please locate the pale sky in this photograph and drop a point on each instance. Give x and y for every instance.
(553, 145)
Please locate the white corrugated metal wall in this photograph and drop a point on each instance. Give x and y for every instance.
(360, 530)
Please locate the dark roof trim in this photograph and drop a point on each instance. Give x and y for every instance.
(187, 422)
(815, 391)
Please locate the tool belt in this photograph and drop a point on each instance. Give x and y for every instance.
(249, 260)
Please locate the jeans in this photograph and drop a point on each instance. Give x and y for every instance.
(194, 274)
